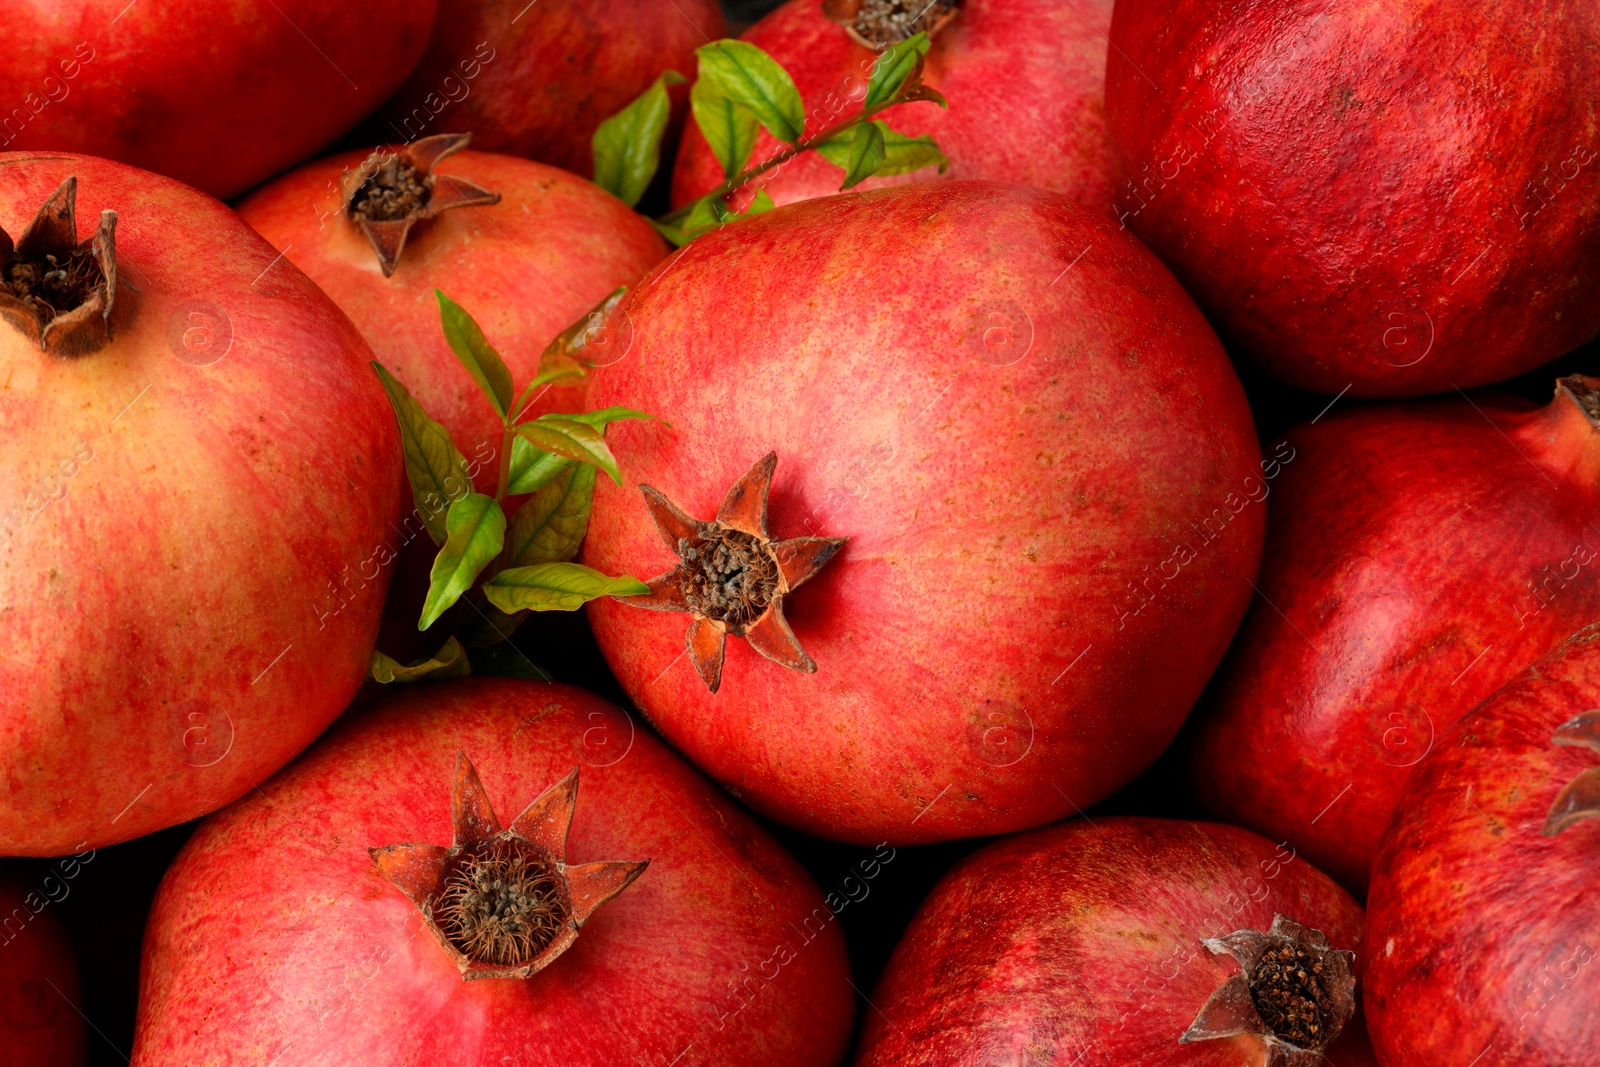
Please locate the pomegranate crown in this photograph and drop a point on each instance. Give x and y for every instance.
(55, 290)
(1579, 799)
(393, 190)
(504, 903)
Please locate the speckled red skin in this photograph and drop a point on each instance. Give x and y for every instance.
(997, 515)
(1484, 933)
(39, 1025)
(525, 268)
(275, 935)
(221, 94)
(171, 632)
(1080, 944)
(544, 76)
(1024, 78)
(1399, 197)
(1397, 587)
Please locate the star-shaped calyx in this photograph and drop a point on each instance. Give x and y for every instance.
(394, 189)
(731, 577)
(1580, 799)
(52, 288)
(505, 903)
(1294, 991)
(878, 24)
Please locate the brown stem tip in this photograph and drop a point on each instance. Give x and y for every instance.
(731, 577)
(55, 290)
(878, 24)
(1580, 798)
(392, 191)
(504, 903)
(1294, 991)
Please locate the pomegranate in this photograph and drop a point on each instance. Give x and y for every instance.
(1417, 556)
(326, 922)
(1039, 457)
(537, 79)
(1396, 199)
(40, 1024)
(530, 249)
(199, 454)
(1485, 926)
(1024, 80)
(218, 97)
(1125, 942)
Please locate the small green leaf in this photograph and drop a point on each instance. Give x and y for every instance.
(449, 662)
(477, 529)
(571, 440)
(746, 75)
(435, 468)
(728, 126)
(507, 661)
(549, 528)
(475, 353)
(604, 417)
(561, 357)
(895, 66)
(555, 587)
(671, 232)
(866, 153)
(531, 469)
(903, 154)
(627, 146)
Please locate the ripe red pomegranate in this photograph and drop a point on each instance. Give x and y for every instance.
(198, 453)
(1417, 556)
(1127, 943)
(1024, 80)
(39, 996)
(1398, 198)
(218, 97)
(290, 930)
(537, 79)
(1038, 453)
(1485, 925)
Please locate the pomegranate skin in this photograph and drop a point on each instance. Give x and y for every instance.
(1080, 943)
(537, 80)
(1483, 931)
(274, 938)
(1398, 198)
(176, 511)
(218, 95)
(525, 269)
(39, 1025)
(1418, 555)
(954, 376)
(1024, 78)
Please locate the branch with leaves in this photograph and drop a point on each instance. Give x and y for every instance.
(741, 88)
(505, 569)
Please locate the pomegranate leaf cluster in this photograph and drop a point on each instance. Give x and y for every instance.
(740, 90)
(504, 568)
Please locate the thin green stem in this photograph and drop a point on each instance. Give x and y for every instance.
(505, 463)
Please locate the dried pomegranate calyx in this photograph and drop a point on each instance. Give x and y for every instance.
(393, 190)
(1585, 392)
(878, 24)
(55, 290)
(732, 577)
(1579, 799)
(1294, 991)
(504, 903)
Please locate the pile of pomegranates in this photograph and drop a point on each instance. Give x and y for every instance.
(902, 533)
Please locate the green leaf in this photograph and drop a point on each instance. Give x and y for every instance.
(903, 154)
(627, 146)
(449, 662)
(555, 587)
(866, 153)
(895, 66)
(507, 661)
(435, 468)
(728, 126)
(746, 75)
(571, 440)
(531, 469)
(760, 204)
(604, 417)
(477, 529)
(475, 353)
(561, 357)
(549, 528)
